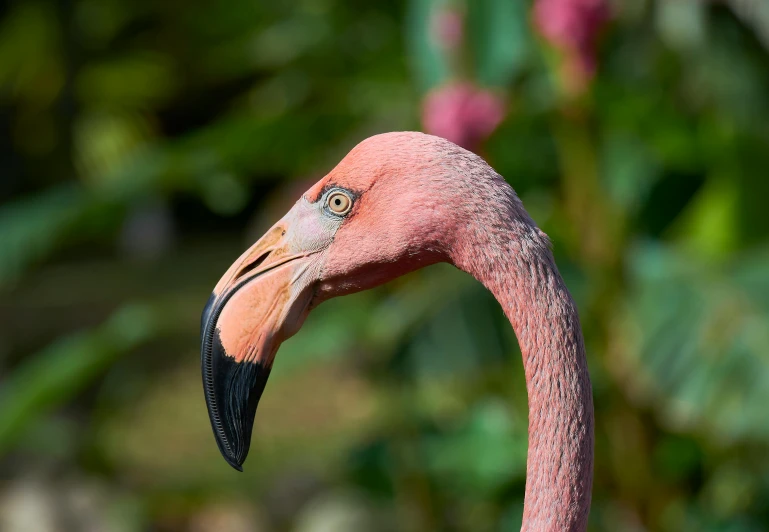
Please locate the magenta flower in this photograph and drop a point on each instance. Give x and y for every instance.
(572, 26)
(462, 113)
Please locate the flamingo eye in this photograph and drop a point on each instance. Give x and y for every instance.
(339, 203)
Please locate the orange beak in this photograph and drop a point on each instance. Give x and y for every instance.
(261, 301)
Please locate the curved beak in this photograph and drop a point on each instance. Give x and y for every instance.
(261, 301)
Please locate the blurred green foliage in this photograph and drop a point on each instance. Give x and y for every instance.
(145, 144)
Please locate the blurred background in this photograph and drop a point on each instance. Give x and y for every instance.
(146, 144)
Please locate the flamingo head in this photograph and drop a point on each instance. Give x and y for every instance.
(385, 210)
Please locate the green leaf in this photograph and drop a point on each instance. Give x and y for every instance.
(54, 375)
(682, 24)
(485, 453)
(500, 36)
(628, 170)
(696, 341)
(31, 228)
(137, 80)
(709, 224)
(429, 63)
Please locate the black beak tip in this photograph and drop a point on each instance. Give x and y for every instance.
(231, 458)
(234, 463)
(232, 391)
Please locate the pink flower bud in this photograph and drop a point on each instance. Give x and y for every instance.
(462, 113)
(572, 26)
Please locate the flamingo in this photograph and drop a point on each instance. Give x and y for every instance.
(396, 203)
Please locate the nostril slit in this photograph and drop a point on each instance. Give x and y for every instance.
(254, 264)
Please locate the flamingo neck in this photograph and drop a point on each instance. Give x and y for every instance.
(512, 258)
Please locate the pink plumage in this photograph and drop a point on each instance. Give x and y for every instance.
(407, 200)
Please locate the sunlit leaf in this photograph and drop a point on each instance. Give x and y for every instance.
(697, 348)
